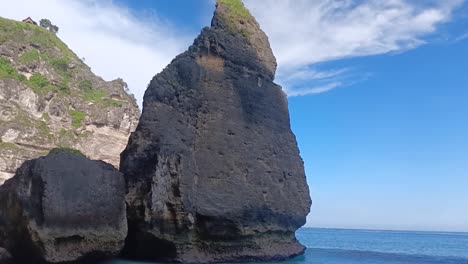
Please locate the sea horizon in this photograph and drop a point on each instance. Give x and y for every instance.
(386, 230)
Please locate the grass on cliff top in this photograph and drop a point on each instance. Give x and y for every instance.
(46, 46)
(28, 34)
(237, 13)
(237, 8)
(66, 150)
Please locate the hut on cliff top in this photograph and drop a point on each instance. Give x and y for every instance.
(29, 20)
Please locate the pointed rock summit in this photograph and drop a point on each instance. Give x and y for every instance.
(213, 170)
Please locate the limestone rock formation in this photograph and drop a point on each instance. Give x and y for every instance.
(50, 98)
(63, 208)
(213, 170)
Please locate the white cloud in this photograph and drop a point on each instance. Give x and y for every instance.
(307, 80)
(117, 43)
(305, 32)
(462, 37)
(313, 90)
(114, 42)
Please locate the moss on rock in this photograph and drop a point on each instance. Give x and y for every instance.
(66, 150)
(237, 8)
(234, 16)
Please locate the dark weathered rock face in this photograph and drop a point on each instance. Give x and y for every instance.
(213, 169)
(5, 257)
(63, 208)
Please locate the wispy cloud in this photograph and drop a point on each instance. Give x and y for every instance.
(305, 32)
(114, 41)
(313, 90)
(309, 80)
(307, 74)
(462, 37)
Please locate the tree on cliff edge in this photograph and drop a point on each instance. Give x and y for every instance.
(45, 23)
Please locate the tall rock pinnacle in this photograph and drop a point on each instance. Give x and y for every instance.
(213, 170)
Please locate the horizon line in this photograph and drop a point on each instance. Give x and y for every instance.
(386, 230)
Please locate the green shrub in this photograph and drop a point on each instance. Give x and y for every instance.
(6, 70)
(30, 56)
(60, 65)
(85, 85)
(94, 96)
(37, 81)
(77, 118)
(66, 150)
(98, 97)
(108, 102)
(63, 86)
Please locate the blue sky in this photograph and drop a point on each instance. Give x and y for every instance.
(378, 92)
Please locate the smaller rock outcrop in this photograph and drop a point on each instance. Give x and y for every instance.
(5, 257)
(63, 208)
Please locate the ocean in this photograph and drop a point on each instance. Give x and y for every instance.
(343, 246)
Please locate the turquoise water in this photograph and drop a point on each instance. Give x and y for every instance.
(340, 246)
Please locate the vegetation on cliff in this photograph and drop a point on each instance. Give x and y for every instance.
(237, 8)
(66, 150)
(50, 98)
(236, 17)
(45, 23)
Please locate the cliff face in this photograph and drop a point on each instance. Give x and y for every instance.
(213, 170)
(50, 98)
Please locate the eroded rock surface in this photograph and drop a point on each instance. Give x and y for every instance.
(50, 98)
(213, 170)
(5, 257)
(63, 208)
